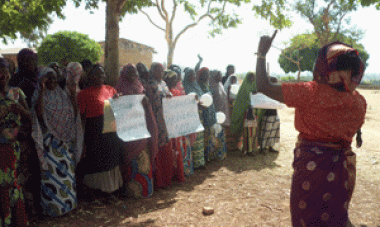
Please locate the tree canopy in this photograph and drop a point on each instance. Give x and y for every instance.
(305, 47)
(70, 45)
(27, 16)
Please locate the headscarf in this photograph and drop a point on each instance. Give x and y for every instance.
(74, 71)
(219, 96)
(200, 72)
(59, 119)
(143, 72)
(325, 69)
(229, 82)
(24, 78)
(241, 104)
(191, 86)
(124, 84)
(170, 76)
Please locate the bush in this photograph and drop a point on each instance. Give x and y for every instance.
(71, 45)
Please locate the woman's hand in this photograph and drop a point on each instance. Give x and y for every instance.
(117, 95)
(265, 44)
(200, 58)
(359, 141)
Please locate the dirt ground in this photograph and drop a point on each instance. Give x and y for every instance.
(244, 191)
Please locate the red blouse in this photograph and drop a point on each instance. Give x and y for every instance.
(323, 113)
(91, 100)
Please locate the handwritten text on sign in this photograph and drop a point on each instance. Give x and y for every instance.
(130, 117)
(181, 116)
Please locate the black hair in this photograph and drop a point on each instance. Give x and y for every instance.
(86, 63)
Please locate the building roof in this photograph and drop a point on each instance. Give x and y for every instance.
(126, 42)
(12, 51)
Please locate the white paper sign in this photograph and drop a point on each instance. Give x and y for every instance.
(130, 117)
(261, 101)
(181, 116)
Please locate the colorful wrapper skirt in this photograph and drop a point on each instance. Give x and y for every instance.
(322, 184)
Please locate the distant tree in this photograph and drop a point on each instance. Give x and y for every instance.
(70, 45)
(305, 47)
(215, 10)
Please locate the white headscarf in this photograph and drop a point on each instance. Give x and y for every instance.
(228, 83)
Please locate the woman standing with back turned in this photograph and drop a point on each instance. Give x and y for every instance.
(329, 111)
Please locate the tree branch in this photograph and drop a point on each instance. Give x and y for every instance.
(159, 10)
(151, 21)
(191, 26)
(339, 25)
(174, 11)
(164, 10)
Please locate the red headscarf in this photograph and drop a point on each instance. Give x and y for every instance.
(325, 69)
(125, 85)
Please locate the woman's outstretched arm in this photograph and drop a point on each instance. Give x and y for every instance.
(273, 91)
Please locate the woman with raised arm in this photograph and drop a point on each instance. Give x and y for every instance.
(329, 111)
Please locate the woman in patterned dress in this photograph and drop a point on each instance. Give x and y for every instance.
(12, 111)
(139, 155)
(156, 90)
(243, 117)
(181, 145)
(329, 111)
(56, 131)
(197, 139)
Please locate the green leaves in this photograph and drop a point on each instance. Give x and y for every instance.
(274, 11)
(306, 46)
(70, 45)
(25, 16)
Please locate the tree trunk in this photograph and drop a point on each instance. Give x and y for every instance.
(111, 55)
(170, 56)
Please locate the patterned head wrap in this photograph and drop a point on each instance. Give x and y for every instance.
(125, 85)
(326, 67)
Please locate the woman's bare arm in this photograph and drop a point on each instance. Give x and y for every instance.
(273, 91)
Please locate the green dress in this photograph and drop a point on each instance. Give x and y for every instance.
(241, 105)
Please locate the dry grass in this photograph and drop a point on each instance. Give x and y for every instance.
(244, 191)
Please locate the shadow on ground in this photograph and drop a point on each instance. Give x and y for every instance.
(124, 212)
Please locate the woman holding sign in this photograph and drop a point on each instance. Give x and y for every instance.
(184, 160)
(101, 164)
(156, 90)
(329, 111)
(139, 155)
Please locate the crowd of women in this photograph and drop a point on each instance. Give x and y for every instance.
(52, 132)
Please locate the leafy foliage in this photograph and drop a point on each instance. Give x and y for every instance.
(306, 47)
(70, 45)
(275, 11)
(27, 16)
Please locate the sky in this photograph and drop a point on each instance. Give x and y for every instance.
(235, 46)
